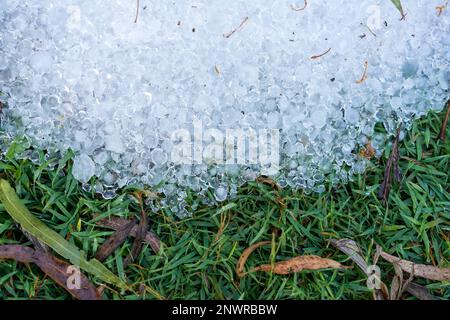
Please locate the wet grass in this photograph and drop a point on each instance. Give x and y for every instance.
(199, 255)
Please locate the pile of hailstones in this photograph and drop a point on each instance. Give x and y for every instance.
(201, 97)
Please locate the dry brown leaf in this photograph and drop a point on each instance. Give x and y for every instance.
(55, 268)
(377, 254)
(419, 291)
(114, 241)
(117, 223)
(382, 293)
(297, 264)
(419, 270)
(141, 233)
(268, 181)
(368, 151)
(398, 285)
(350, 248)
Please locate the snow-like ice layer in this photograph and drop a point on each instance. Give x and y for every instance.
(85, 75)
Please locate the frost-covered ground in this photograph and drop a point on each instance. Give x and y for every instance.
(160, 95)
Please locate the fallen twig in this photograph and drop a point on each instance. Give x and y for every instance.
(445, 123)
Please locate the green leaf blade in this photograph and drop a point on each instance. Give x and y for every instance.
(19, 212)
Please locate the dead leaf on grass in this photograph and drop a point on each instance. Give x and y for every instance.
(297, 264)
(351, 248)
(300, 263)
(114, 241)
(419, 270)
(419, 291)
(56, 269)
(141, 232)
(116, 223)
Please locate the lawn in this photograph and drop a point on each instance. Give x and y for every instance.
(199, 254)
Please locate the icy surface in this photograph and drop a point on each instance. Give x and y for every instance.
(88, 76)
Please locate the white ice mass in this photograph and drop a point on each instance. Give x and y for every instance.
(113, 82)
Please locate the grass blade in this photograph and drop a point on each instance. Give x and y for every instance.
(43, 233)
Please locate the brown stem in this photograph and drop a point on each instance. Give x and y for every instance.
(320, 55)
(445, 122)
(392, 166)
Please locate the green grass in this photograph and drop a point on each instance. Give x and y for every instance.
(199, 254)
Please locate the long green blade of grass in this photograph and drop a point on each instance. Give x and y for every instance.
(39, 230)
(398, 5)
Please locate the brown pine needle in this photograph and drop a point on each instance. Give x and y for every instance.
(137, 11)
(295, 8)
(228, 35)
(320, 55)
(364, 76)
